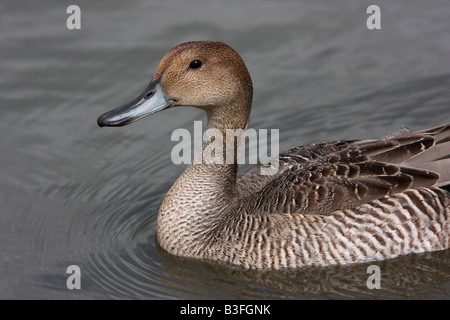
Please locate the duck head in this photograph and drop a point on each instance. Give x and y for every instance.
(205, 74)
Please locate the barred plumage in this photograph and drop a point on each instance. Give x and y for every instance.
(329, 203)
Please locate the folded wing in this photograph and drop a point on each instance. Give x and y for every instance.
(321, 178)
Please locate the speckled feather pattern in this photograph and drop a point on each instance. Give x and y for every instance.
(329, 203)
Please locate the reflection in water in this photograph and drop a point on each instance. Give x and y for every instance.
(404, 277)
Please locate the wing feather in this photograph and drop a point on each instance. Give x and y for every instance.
(321, 178)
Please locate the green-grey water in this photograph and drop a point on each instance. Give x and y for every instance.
(74, 194)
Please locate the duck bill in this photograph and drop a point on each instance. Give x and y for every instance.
(152, 100)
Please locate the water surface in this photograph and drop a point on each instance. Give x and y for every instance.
(72, 193)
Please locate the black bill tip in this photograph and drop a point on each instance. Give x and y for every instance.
(101, 121)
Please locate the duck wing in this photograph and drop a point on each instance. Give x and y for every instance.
(324, 177)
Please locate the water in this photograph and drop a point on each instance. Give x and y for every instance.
(72, 193)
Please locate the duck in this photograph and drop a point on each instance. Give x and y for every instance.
(328, 203)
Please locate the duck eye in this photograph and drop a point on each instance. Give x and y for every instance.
(195, 64)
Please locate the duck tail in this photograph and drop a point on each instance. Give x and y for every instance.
(437, 157)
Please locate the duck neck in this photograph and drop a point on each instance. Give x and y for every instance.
(216, 165)
(209, 182)
(206, 189)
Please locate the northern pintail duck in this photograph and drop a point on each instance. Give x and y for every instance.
(329, 203)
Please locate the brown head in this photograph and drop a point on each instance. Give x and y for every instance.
(205, 74)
